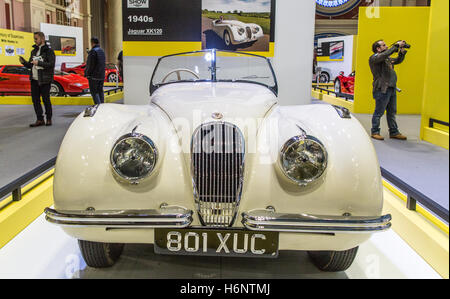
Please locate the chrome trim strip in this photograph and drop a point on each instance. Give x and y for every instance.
(265, 220)
(343, 112)
(166, 217)
(90, 111)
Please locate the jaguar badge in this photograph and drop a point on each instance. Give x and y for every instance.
(217, 115)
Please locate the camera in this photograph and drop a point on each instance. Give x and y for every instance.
(405, 46)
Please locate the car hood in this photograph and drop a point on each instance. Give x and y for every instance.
(237, 23)
(197, 102)
(72, 78)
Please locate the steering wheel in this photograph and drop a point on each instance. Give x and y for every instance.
(178, 72)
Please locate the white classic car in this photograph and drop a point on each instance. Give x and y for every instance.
(235, 32)
(214, 166)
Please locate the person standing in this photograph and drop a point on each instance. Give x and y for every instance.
(385, 86)
(42, 65)
(95, 71)
(120, 62)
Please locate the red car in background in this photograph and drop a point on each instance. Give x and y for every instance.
(345, 84)
(16, 79)
(111, 73)
(68, 50)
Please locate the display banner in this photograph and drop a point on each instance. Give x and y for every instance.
(331, 51)
(63, 46)
(164, 27)
(14, 44)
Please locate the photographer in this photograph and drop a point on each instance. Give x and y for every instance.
(385, 86)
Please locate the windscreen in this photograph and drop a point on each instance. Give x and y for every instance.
(214, 66)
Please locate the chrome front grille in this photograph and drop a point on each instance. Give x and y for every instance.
(217, 166)
(249, 32)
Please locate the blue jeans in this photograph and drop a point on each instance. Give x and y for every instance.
(385, 102)
(96, 88)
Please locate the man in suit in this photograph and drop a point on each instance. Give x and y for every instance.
(385, 86)
(42, 65)
(95, 71)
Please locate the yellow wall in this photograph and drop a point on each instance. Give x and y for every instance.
(436, 94)
(18, 40)
(394, 23)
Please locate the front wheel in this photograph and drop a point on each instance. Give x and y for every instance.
(337, 87)
(324, 78)
(113, 78)
(227, 38)
(56, 90)
(333, 261)
(100, 255)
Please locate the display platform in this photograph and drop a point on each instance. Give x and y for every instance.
(419, 164)
(56, 255)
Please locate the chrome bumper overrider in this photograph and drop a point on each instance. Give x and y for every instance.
(266, 220)
(165, 217)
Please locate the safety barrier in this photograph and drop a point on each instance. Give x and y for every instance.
(64, 94)
(414, 196)
(433, 121)
(27, 200)
(111, 96)
(337, 94)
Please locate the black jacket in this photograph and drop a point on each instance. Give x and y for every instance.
(48, 63)
(95, 65)
(382, 66)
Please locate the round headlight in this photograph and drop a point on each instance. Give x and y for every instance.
(241, 31)
(303, 160)
(134, 157)
(256, 30)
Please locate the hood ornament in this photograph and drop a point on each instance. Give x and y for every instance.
(217, 115)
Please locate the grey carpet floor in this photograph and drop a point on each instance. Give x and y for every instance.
(420, 164)
(23, 148)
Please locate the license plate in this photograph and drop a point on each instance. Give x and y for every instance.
(232, 243)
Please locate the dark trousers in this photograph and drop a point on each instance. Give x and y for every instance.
(36, 92)
(96, 88)
(385, 102)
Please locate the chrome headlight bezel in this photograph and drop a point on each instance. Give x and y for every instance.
(302, 139)
(146, 140)
(241, 31)
(255, 30)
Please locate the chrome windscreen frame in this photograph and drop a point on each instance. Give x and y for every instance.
(213, 69)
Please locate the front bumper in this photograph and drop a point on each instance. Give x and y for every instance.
(258, 220)
(165, 217)
(267, 220)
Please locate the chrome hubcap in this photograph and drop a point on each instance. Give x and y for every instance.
(54, 90)
(112, 78)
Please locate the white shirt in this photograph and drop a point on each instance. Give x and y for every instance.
(35, 68)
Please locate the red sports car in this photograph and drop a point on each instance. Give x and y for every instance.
(68, 50)
(345, 84)
(111, 73)
(16, 79)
